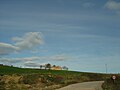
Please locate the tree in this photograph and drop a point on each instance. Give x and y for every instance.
(48, 66)
(65, 68)
(54, 65)
(41, 66)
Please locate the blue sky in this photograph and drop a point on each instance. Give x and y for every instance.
(83, 35)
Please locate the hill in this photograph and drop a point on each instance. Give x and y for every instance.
(7, 70)
(12, 78)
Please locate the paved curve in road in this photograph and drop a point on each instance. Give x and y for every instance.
(94, 85)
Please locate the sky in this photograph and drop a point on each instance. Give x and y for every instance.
(83, 35)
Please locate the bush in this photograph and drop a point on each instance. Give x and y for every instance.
(30, 79)
(110, 85)
(49, 78)
(2, 85)
(59, 79)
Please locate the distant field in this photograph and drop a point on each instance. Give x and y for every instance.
(7, 70)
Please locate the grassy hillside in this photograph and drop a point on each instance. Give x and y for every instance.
(8, 70)
(15, 70)
(12, 78)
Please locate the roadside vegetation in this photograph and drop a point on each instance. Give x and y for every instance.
(14, 78)
(111, 84)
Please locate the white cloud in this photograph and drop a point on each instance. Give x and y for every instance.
(7, 48)
(58, 57)
(61, 57)
(34, 61)
(113, 5)
(31, 58)
(38, 51)
(9, 60)
(31, 64)
(29, 40)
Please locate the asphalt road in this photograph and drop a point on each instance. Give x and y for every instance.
(94, 85)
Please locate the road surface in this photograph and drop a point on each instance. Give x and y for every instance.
(95, 85)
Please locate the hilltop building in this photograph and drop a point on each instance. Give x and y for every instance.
(56, 68)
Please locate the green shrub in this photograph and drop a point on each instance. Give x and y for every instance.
(59, 79)
(50, 78)
(2, 85)
(110, 85)
(30, 79)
